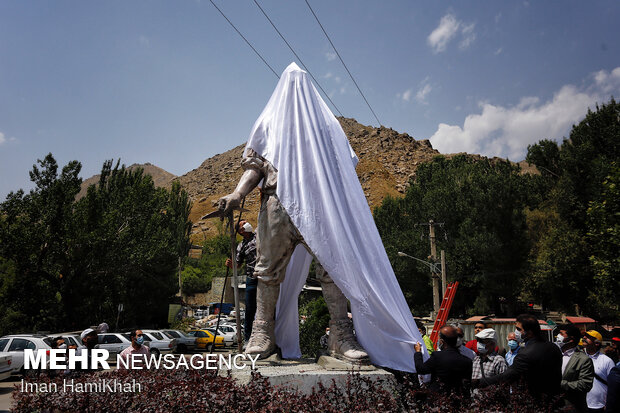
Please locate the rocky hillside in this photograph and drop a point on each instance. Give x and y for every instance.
(387, 160)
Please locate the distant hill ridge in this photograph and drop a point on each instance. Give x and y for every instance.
(161, 177)
(388, 160)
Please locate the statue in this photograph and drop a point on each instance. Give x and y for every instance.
(311, 198)
(276, 239)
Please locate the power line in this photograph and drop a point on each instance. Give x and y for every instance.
(298, 58)
(246, 40)
(345, 66)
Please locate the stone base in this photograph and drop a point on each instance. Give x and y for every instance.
(304, 374)
(332, 363)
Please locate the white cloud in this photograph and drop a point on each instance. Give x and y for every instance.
(406, 96)
(498, 51)
(2, 138)
(423, 93)
(608, 81)
(330, 56)
(468, 36)
(448, 29)
(506, 131)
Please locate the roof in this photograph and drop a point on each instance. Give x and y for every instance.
(488, 320)
(580, 320)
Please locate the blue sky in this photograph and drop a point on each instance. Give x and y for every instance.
(171, 83)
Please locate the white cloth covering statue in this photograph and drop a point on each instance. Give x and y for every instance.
(299, 154)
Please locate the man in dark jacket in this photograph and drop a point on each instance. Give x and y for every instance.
(613, 390)
(448, 367)
(246, 251)
(577, 370)
(539, 363)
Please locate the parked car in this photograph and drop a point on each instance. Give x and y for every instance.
(71, 340)
(15, 345)
(204, 339)
(114, 343)
(230, 338)
(185, 342)
(5, 366)
(158, 342)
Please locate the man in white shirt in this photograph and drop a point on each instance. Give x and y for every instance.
(602, 366)
(137, 349)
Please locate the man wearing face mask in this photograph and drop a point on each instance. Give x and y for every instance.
(513, 348)
(137, 348)
(448, 368)
(539, 363)
(90, 340)
(602, 366)
(460, 343)
(487, 363)
(577, 369)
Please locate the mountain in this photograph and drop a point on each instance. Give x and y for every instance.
(161, 177)
(388, 160)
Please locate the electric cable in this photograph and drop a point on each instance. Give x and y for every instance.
(298, 58)
(246, 40)
(342, 61)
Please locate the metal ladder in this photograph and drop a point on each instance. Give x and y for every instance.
(444, 310)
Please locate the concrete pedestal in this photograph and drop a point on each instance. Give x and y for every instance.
(304, 374)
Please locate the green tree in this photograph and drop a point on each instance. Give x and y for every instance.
(67, 264)
(37, 235)
(568, 258)
(604, 237)
(480, 202)
(131, 237)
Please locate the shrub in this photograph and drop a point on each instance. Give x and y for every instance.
(310, 332)
(201, 390)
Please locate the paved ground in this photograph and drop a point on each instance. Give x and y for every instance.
(6, 387)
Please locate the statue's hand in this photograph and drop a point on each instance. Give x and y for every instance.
(229, 202)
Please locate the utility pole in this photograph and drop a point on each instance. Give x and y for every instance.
(435, 277)
(444, 277)
(180, 286)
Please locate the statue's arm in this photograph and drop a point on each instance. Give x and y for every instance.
(249, 180)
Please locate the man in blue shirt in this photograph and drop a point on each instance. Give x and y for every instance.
(513, 348)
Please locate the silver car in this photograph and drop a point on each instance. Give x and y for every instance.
(14, 345)
(158, 342)
(5, 366)
(114, 343)
(185, 342)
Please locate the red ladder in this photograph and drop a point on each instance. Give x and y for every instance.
(444, 310)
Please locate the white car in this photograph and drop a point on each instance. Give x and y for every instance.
(15, 345)
(229, 338)
(114, 343)
(158, 342)
(71, 340)
(231, 328)
(5, 366)
(185, 343)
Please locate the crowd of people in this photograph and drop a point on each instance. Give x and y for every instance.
(90, 338)
(573, 372)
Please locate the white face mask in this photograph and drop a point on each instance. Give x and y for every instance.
(559, 339)
(482, 348)
(62, 346)
(518, 335)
